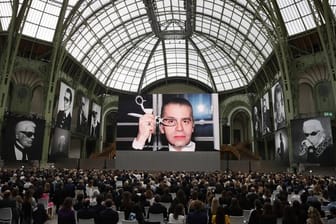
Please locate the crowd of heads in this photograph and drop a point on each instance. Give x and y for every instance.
(276, 194)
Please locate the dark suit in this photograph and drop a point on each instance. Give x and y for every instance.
(96, 210)
(94, 131)
(108, 216)
(62, 120)
(9, 155)
(82, 122)
(158, 208)
(85, 213)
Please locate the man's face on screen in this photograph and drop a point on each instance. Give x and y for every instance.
(177, 124)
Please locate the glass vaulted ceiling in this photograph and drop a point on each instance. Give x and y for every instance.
(129, 45)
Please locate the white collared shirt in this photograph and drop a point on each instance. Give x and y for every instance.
(188, 148)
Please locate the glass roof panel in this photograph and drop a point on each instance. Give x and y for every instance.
(42, 19)
(116, 41)
(297, 15)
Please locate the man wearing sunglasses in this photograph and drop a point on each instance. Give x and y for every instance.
(24, 138)
(317, 145)
(176, 123)
(63, 119)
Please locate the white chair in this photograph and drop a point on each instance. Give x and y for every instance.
(86, 221)
(121, 215)
(173, 195)
(236, 219)
(279, 220)
(146, 211)
(156, 217)
(6, 215)
(246, 214)
(129, 221)
(166, 204)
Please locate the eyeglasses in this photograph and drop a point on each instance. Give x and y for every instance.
(66, 99)
(171, 122)
(29, 134)
(313, 133)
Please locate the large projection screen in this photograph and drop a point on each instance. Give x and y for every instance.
(204, 130)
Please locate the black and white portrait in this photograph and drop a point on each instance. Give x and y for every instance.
(281, 145)
(265, 114)
(83, 114)
(278, 106)
(256, 120)
(312, 140)
(95, 120)
(65, 106)
(23, 139)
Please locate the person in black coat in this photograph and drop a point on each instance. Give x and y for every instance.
(86, 212)
(108, 215)
(98, 208)
(157, 207)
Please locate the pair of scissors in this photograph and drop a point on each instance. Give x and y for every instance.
(140, 101)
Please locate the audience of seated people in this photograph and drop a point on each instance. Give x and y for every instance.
(200, 197)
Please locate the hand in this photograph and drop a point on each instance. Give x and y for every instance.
(305, 144)
(147, 127)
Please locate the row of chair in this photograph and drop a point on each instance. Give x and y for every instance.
(6, 215)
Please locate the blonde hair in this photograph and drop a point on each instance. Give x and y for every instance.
(314, 215)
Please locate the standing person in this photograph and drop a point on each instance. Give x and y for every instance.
(177, 124)
(317, 145)
(279, 108)
(63, 119)
(24, 138)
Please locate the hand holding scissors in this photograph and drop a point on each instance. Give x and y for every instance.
(147, 121)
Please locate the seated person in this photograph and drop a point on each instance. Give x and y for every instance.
(85, 212)
(108, 215)
(178, 216)
(157, 207)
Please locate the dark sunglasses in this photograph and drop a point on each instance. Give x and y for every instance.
(29, 134)
(66, 99)
(313, 133)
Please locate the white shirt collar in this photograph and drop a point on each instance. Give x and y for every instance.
(188, 148)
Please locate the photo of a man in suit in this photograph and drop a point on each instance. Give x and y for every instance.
(82, 116)
(63, 119)
(22, 140)
(95, 120)
(24, 135)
